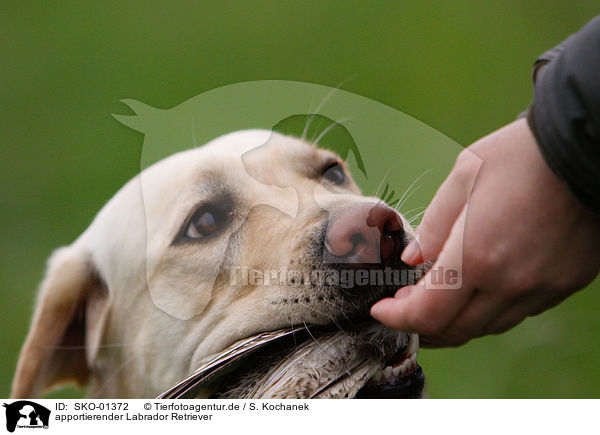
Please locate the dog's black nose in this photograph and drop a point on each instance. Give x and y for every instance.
(365, 234)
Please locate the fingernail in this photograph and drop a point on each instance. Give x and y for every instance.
(412, 251)
(403, 292)
(377, 309)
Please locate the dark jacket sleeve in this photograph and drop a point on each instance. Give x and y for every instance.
(565, 113)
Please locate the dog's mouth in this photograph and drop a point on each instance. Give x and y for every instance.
(366, 360)
(357, 358)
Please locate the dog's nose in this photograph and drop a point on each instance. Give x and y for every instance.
(368, 233)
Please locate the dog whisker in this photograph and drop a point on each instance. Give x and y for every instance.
(414, 209)
(416, 217)
(337, 308)
(114, 374)
(404, 197)
(310, 333)
(323, 314)
(384, 178)
(421, 213)
(322, 103)
(308, 120)
(328, 129)
(325, 350)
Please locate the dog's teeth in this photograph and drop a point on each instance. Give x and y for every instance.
(387, 372)
(413, 359)
(413, 344)
(404, 366)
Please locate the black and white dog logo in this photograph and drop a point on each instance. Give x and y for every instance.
(26, 414)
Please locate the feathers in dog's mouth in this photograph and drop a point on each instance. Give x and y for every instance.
(366, 360)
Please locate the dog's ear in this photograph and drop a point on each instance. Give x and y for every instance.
(67, 326)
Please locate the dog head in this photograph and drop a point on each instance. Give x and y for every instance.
(252, 232)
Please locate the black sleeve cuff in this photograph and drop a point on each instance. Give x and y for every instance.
(565, 114)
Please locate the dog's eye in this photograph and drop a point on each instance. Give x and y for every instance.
(205, 221)
(334, 173)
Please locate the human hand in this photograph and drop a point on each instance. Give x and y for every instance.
(513, 231)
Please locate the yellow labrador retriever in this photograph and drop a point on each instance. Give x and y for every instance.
(207, 250)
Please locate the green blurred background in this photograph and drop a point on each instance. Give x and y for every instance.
(462, 67)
